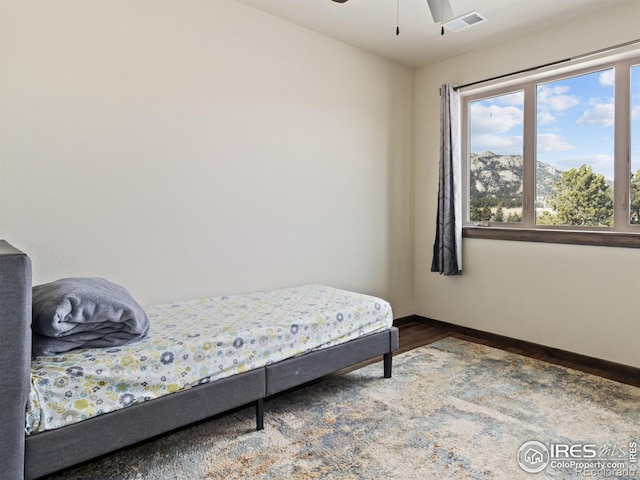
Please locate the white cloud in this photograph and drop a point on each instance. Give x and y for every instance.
(501, 144)
(515, 99)
(552, 142)
(600, 163)
(487, 119)
(555, 98)
(600, 114)
(635, 112)
(607, 78)
(545, 118)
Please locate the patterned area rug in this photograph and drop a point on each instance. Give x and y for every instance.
(452, 410)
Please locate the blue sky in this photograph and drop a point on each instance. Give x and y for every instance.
(574, 120)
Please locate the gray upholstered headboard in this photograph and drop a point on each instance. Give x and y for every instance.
(15, 356)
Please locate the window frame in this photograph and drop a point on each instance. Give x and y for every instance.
(622, 233)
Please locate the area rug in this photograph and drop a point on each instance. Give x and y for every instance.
(452, 410)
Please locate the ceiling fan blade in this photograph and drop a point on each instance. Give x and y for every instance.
(339, 1)
(440, 10)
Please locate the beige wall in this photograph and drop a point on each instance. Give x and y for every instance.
(578, 298)
(199, 148)
(203, 147)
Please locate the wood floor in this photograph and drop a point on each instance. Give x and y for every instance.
(419, 332)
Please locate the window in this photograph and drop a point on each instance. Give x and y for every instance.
(634, 210)
(495, 175)
(556, 153)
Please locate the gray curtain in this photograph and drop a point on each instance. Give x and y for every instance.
(447, 248)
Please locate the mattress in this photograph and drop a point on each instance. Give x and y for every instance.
(196, 342)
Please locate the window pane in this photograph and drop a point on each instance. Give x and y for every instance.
(635, 146)
(495, 177)
(575, 150)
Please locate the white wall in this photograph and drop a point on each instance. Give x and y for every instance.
(578, 298)
(198, 148)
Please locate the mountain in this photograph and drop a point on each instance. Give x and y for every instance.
(497, 179)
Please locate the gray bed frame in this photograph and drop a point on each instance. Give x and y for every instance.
(32, 456)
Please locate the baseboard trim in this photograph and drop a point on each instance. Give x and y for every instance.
(398, 322)
(605, 368)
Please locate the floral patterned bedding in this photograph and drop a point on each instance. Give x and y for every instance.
(195, 342)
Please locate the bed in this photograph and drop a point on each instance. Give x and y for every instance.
(299, 350)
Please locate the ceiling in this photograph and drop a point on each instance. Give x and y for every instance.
(371, 24)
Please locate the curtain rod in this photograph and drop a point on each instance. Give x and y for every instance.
(550, 64)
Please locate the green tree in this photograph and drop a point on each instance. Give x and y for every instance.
(486, 214)
(499, 215)
(634, 208)
(582, 198)
(547, 218)
(514, 217)
(478, 214)
(475, 214)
